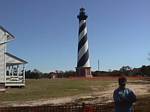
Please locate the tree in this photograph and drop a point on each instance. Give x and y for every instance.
(125, 70)
(145, 70)
(34, 74)
(28, 74)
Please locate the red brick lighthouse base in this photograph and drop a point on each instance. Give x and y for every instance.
(84, 72)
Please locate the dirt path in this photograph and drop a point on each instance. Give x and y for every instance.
(96, 96)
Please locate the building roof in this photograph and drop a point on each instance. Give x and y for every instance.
(13, 60)
(10, 36)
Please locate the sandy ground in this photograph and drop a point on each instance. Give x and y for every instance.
(140, 88)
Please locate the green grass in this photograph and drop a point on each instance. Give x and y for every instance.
(46, 88)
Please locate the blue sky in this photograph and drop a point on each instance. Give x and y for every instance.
(46, 32)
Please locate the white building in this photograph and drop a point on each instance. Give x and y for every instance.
(12, 68)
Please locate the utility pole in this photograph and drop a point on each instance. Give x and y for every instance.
(98, 65)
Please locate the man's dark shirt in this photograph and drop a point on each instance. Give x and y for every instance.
(124, 99)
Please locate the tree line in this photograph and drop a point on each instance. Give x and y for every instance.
(125, 70)
(36, 74)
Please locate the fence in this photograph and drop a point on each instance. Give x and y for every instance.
(61, 108)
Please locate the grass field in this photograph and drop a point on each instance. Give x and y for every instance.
(49, 88)
(46, 88)
(55, 88)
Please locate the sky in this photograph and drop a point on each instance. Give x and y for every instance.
(46, 32)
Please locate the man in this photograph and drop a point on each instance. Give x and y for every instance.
(123, 97)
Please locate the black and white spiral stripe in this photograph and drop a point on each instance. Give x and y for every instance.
(83, 51)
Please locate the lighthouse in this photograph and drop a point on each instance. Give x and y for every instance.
(83, 61)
